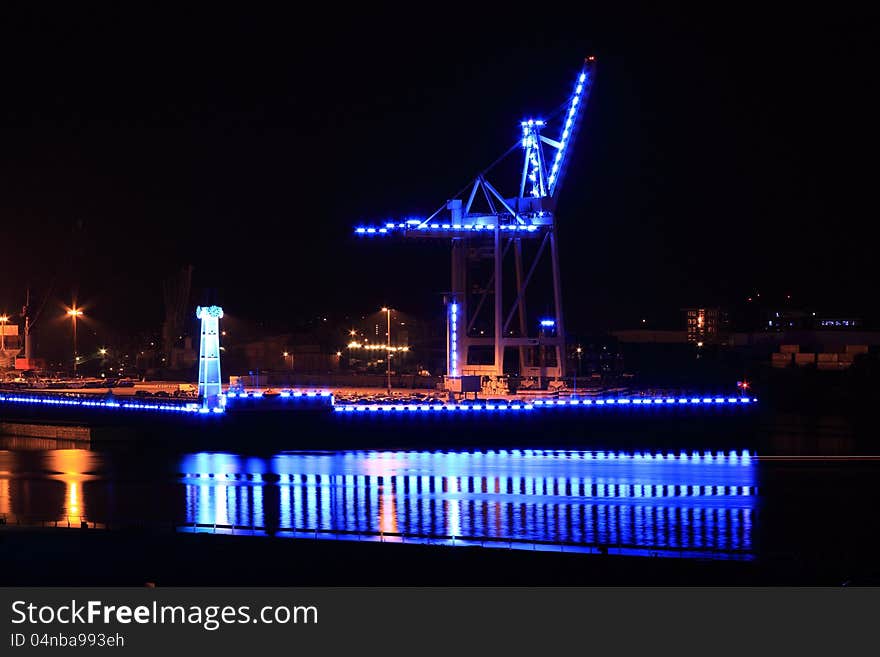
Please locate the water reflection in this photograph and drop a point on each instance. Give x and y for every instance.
(683, 501)
(46, 486)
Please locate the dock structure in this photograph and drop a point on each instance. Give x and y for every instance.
(324, 400)
(263, 406)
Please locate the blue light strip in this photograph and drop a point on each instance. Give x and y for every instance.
(283, 394)
(327, 397)
(531, 143)
(582, 87)
(386, 408)
(539, 404)
(107, 404)
(386, 229)
(647, 401)
(453, 339)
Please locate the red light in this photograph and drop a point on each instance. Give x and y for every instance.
(591, 58)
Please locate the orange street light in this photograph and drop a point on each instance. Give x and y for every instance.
(3, 320)
(388, 355)
(73, 313)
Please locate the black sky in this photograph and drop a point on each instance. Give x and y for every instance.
(721, 153)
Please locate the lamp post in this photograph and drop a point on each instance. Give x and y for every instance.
(102, 352)
(3, 321)
(388, 350)
(352, 333)
(577, 371)
(73, 313)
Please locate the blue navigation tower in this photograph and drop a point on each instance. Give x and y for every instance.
(210, 389)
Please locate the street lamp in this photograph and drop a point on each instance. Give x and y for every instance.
(353, 333)
(102, 351)
(73, 313)
(388, 355)
(3, 320)
(577, 370)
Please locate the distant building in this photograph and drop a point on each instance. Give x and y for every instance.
(801, 320)
(650, 336)
(280, 353)
(838, 323)
(788, 320)
(10, 344)
(184, 355)
(705, 325)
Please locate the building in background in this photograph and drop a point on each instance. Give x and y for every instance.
(10, 344)
(706, 326)
(789, 319)
(845, 323)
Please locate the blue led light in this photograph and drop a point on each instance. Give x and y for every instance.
(581, 88)
(550, 403)
(453, 340)
(326, 398)
(47, 400)
(445, 228)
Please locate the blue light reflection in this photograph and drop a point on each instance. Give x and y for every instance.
(673, 503)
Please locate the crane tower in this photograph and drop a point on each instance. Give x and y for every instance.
(502, 247)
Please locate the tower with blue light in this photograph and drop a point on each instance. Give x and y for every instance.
(505, 252)
(210, 389)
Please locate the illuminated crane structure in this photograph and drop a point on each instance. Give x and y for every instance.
(488, 231)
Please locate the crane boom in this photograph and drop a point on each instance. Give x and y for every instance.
(570, 125)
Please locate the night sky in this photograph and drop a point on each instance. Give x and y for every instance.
(719, 155)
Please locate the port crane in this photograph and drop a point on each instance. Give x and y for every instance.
(499, 243)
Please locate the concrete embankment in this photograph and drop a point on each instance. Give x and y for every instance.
(62, 432)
